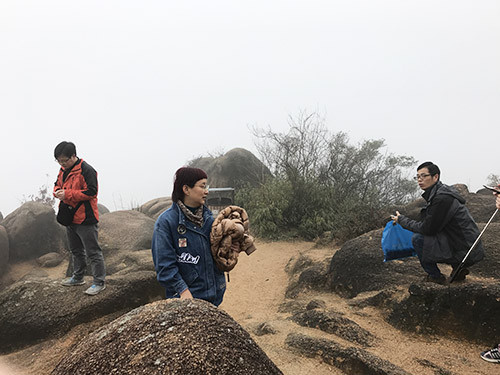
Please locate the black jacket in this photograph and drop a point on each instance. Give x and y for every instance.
(448, 228)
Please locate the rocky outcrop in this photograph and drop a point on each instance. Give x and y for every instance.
(306, 274)
(490, 265)
(125, 261)
(330, 321)
(155, 207)
(466, 311)
(481, 207)
(169, 337)
(33, 231)
(38, 309)
(350, 360)
(50, 260)
(265, 328)
(484, 191)
(236, 168)
(102, 209)
(359, 267)
(4, 250)
(125, 230)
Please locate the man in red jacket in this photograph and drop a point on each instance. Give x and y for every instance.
(76, 186)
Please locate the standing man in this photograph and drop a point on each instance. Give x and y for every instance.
(446, 231)
(76, 185)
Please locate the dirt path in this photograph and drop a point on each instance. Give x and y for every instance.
(257, 289)
(255, 292)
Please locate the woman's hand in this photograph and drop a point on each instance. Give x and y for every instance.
(186, 294)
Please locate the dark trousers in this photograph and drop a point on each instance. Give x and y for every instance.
(418, 244)
(431, 268)
(83, 243)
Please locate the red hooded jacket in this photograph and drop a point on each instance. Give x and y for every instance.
(80, 184)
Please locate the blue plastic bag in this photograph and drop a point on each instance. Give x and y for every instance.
(396, 242)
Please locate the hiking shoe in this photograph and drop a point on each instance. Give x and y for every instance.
(460, 276)
(441, 279)
(71, 281)
(492, 355)
(95, 289)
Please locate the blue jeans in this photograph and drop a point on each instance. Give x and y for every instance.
(418, 244)
(83, 243)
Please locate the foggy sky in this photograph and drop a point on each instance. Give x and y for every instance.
(143, 87)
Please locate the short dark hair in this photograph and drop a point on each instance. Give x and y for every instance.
(64, 148)
(431, 167)
(186, 176)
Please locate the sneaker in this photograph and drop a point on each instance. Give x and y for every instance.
(492, 355)
(441, 279)
(71, 281)
(95, 289)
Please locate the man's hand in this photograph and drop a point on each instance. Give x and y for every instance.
(60, 194)
(395, 218)
(498, 201)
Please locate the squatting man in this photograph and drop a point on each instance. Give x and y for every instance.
(446, 230)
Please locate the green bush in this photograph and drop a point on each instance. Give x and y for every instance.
(323, 184)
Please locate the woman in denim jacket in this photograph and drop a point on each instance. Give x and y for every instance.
(181, 242)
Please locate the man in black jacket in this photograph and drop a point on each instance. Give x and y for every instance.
(446, 230)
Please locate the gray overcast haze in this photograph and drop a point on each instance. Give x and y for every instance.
(142, 87)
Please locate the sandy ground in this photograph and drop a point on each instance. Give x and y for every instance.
(257, 288)
(255, 292)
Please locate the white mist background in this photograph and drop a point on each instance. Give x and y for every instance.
(143, 87)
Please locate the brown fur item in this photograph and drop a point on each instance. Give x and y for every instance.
(231, 225)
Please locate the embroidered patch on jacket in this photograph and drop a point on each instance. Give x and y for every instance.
(188, 258)
(183, 242)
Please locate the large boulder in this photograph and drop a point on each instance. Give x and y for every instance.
(468, 311)
(306, 274)
(237, 168)
(50, 260)
(33, 231)
(484, 191)
(359, 267)
(490, 265)
(155, 207)
(481, 207)
(37, 309)
(125, 230)
(4, 249)
(169, 337)
(102, 209)
(125, 261)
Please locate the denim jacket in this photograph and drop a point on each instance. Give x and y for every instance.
(182, 256)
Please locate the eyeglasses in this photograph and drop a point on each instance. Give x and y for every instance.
(204, 187)
(421, 176)
(61, 161)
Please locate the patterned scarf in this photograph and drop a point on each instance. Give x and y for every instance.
(196, 218)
